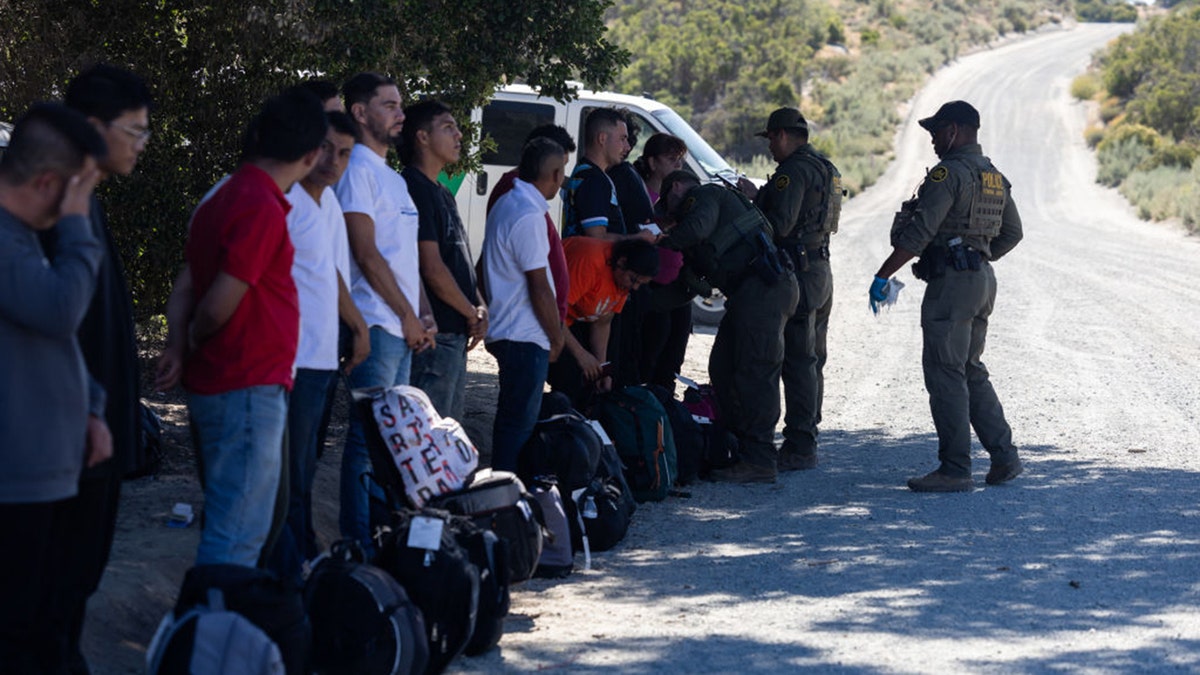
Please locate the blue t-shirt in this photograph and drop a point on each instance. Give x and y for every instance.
(439, 222)
(591, 201)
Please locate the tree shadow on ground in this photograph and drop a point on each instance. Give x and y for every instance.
(1072, 546)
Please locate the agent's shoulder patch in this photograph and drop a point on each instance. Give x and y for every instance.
(687, 205)
(782, 181)
(939, 174)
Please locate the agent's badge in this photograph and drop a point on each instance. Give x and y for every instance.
(782, 182)
(938, 174)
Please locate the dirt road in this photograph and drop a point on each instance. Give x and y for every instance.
(1087, 563)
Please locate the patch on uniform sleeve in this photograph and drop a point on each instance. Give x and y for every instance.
(687, 205)
(938, 174)
(782, 182)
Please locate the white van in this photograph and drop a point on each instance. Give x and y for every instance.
(515, 110)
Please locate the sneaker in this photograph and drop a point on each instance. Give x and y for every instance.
(1002, 473)
(744, 473)
(794, 461)
(935, 481)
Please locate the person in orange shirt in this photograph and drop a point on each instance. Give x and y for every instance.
(602, 273)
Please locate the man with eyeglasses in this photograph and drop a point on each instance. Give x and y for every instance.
(962, 217)
(117, 104)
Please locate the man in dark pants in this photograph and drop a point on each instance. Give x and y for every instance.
(117, 103)
(727, 243)
(52, 413)
(962, 218)
(803, 201)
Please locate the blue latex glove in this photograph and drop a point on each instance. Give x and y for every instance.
(878, 293)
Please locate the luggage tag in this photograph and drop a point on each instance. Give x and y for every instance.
(425, 532)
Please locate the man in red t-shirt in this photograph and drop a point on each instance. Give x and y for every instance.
(242, 333)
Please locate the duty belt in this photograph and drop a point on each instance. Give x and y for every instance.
(937, 259)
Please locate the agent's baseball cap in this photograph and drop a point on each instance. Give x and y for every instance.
(954, 112)
(784, 118)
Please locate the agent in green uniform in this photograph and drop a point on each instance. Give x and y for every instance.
(962, 218)
(728, 244)
(803, 201)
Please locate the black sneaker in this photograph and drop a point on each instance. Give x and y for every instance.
(1002, 473)
(936, 481)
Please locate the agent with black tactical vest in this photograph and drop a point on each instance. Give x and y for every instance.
(803, 201)
(962, 218)
(728, 244)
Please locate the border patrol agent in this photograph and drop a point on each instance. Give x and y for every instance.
(962, 218)
(803, 201)
(728, 244)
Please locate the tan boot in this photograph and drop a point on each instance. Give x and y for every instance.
(936, 481)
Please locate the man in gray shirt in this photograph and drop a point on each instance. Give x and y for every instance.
(51, 419)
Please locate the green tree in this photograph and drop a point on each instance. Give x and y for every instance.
(211, 64)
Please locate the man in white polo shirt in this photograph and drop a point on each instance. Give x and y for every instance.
(320, 269)
(526, 332)
(385, 283)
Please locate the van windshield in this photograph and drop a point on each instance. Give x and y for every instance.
(712, 162)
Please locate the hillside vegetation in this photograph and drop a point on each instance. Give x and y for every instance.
(849, 64)
(1148, 87)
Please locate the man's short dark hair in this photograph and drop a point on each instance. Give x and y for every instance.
(418, 117)
(632, 126)
(289, 126)
(343, 124)
(600, 119)
(641, 257)
(106, 92)
(322, 89)
(555, 133)
(49, 137)
(361, 88)
(677, 176)
(537, 152)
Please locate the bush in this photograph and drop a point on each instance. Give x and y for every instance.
(1159, 193)
(1093, 136)
(1121, 153)
(1085, 87)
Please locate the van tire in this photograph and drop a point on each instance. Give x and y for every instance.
(708, 311)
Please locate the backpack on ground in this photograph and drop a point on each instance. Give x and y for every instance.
(272, 605)
(565, 446)
(420, 549)
(641, 432)
(558, 555)
(362, 619)
(208, 638)
(720, 448)
(604, 509)
(689, 437)
(497, 501)
(489, 553)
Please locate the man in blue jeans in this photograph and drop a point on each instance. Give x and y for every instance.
(241, 335)
(321, 266)
(527, 333)
(385, 283)
(430, 142)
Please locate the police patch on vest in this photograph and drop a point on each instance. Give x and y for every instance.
(938, 174)
(782, 182)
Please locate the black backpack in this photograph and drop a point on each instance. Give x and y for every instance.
(489, 553)
(208, 638)
(273, 605)
(441, 581)
(565, 446)
(362, 619)
(689, 437)
(604, 507)
(497, 501)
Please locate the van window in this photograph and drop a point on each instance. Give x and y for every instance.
(508, 123)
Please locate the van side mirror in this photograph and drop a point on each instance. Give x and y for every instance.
(481, 183)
